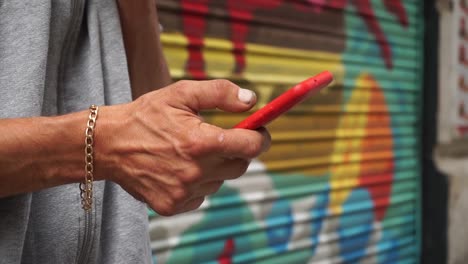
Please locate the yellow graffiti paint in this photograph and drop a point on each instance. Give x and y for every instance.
(218, 61)
(265, 64)
(346, 154)
(282, 65)
(264, 92)
(175, 50)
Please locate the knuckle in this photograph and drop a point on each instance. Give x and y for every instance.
(192, 175)
(221, 86)
(195, 144)
(166, 212)
(189, 145)
(222, 83)
(165, 209)
(181, 84)
(180, 194)
(180, 87)
(182, 147)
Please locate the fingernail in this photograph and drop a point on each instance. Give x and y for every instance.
(245, 96)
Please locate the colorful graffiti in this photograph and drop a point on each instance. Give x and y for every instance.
(379, 193)
(340, 183)
(242, 12)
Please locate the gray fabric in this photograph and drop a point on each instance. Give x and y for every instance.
(60, 56)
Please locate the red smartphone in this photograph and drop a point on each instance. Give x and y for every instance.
(286, 101)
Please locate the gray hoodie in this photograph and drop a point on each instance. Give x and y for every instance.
(56, 57)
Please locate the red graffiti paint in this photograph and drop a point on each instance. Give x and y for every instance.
(366, 12)
(242, 12)
(364, 8)
(226, 255)
(194, 30)
(379, 192)
(379, 186)
(398, 10)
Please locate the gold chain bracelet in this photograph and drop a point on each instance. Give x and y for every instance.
(86, 187)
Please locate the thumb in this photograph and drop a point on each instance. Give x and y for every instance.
(221, 94)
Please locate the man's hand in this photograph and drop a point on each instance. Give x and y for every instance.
(159, 149)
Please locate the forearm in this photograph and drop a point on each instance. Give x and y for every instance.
(141, 34)
(41, 152)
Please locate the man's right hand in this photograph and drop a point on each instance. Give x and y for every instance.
(161, 151)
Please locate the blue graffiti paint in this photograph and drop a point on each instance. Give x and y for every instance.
(279, 235)
(355, 230)
(318, 214)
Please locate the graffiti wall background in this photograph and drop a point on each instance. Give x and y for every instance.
(341, 181)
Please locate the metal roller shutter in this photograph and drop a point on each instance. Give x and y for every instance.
(341, 181)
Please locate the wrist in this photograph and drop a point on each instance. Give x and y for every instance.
(65, 161)
(43, 152)
(110, 125)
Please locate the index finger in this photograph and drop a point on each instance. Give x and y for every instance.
(238, 143)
